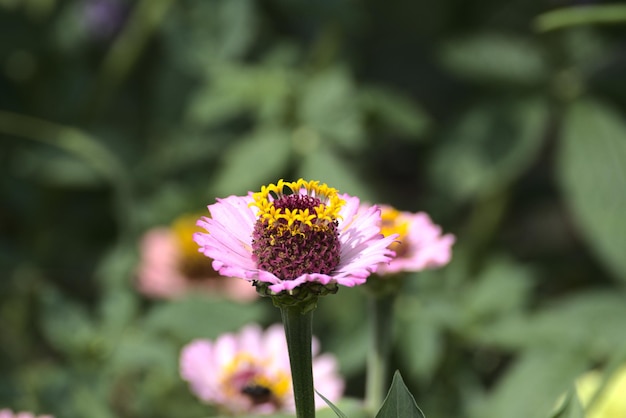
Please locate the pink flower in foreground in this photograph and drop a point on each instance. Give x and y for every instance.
(420, 244)
(294, 233)
(248, 372)
(171, 266)
(7, 413)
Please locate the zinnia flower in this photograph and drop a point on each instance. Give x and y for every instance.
(420, 244)
(612, 400)
(171, 266)
(294, 233)
(248, 372)
(7, 413)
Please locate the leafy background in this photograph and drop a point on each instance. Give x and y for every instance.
(501, 120)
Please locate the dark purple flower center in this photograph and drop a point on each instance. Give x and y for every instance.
(289, 247)
(258, 394)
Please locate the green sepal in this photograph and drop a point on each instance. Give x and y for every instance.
(303, 297)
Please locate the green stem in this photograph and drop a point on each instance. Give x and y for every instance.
(299, 330)
(380, 320)
(580, 15)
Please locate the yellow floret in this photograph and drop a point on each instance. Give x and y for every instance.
(326, 211)
(393, 223)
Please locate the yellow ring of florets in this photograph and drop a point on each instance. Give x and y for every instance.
(326, 211)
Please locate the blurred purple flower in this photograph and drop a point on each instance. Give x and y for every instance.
(104, 18)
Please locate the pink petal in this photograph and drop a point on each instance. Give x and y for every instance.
(196, 368)
(427, 247)
(250, 339)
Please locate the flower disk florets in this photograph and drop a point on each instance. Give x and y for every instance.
(392, 222)
(296, 231)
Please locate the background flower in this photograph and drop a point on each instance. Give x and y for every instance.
(171, 266)
(249, 372)
(7, 413)
(420, 244)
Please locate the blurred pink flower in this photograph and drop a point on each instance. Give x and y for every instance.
(7, 413)
(294, 233)
(249, 373)
(420, 244)
(171, 266)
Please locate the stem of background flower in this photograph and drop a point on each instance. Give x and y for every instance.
(299, 330)
(381, 321)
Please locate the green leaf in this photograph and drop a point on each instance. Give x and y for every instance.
(345, 334)
(396, 113)
(590, 321)
(252, 162)
(332, 406)
(422, 342)
(533, 384)
(236, 24)
(399, 402)
(489, 147)
(329, 107)
(326, 166)
(262, 91)
(90, 402)
(138, 351)
(69, 139)
(57, 169)
(592, 176)
(68, 326)
(206, 33)
(580, 15)
(192, 149)
(191, 318)
(349, 407)
(501, 289)
(571, 406)
(116, 310)
(495, 58)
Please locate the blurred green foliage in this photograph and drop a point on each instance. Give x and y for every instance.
(503, 120)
